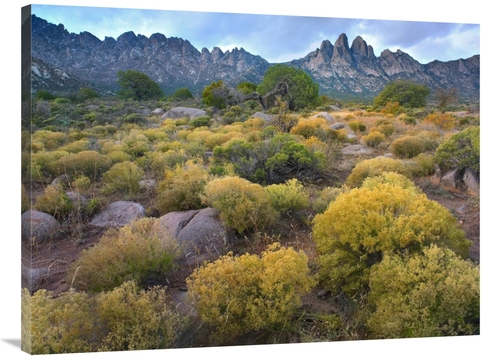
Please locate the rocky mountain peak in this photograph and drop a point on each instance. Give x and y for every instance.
(359, 47)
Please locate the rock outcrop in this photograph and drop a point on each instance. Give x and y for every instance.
(118, 214)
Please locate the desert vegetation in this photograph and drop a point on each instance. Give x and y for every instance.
(324, 244)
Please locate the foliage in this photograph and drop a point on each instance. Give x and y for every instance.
(138, 86)
(123, 178)
(325, 196)
(311, 127)
(303, 91)
(91, 164)
(362, 226)
(125, 318)
(182, 94)
(246, 87)
(200, 121)
(428, 294)
(461, 150)
(444, 121)
(385, 126)
(406, 92)
(238, 295)
(357, 126)
(137, 251)
(55, 202)
(44, 95)
(373, 139)
(243, 205)
(288, 197)
(217, 94)
(273, 161)
(374, 167)
(181, 188)
(407, 146)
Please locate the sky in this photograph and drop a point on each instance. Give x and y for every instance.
(276, 38)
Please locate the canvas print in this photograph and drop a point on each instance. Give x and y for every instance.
(195, 179)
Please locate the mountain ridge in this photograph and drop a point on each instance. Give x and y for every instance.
(339, 69)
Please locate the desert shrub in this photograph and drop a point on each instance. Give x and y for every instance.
(375, 167)
(137, 319)
(392, 178)
(307, 128)
(428, 294)
(200, 121)
(50, 140)
(288, 197)
(136, 251)
(135, 143)
(81, 184)
(444, 121)
(325, 196)
(407, 146)
(243, 205)
(461, 150)
(159, 161)
(45, 165)
(54, 201)
(76, 146)
(181, 188)
(408, 120)
(386, 127)
(118, 156)
(357, 126)
(264, 292)
(123, 179)
(88, 163)
(125, 318)
(373, 139)
(364, 224)
(57, 325)
(424, 165)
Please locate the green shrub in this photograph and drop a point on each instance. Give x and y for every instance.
(428, 294)
(357, 126)
(424, 165)
(238, 295)
(373, 139)
(54, 201)
(461, 150)
(386, 127)
(123, 179)
(200, 121)
(181, 188)
(243, 205)
(45, 165)
(374, 167)
(288, 197)
(407, 146)
(363, 225)
(136, 251)
(91, 164)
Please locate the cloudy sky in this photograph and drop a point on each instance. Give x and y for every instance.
(276, 38)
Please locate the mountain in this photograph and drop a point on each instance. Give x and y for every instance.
(69, 60)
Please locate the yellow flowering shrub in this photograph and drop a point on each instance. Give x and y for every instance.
(428, 294)
(237, 295)
(288, 197)
(374, 167)
(362, 225)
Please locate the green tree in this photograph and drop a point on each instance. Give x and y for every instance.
(461, 150)
(246, 87)
(138, 86)
(302, 90)
(217, 94)
(406, 92)
(182, 94)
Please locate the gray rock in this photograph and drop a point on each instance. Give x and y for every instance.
(118, 214)
(450, 181)
(334, 108)
(201, 233)
(32, 278)
(337, 126)
(37, 226)
(471, 180)
(324, 115)
(267, 118)
(76, 198)
(63, 180)
(355, 150)
(157, 111)
(183, 112)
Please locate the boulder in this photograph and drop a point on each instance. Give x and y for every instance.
(436, 177)
(118, 214)
(37, 227)
(201, 233)
(355, 150)
(324, 115)
(334, 108)
(337, 126)
(267, 118)
(471, 181)
(183, 112)
(63, 180)
(451, 180)
(157, 111)
(76, 198)
(32, 278)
